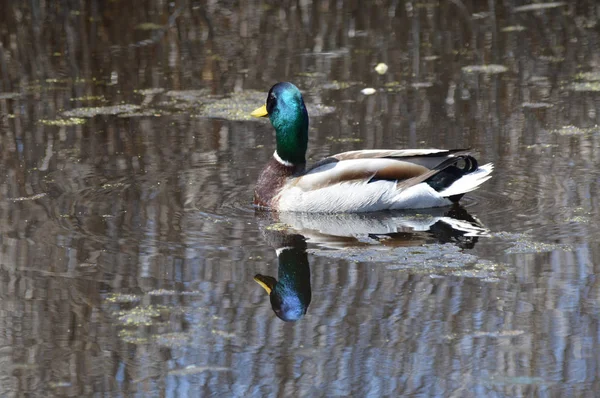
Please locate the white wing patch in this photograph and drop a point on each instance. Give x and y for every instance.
(469, 182)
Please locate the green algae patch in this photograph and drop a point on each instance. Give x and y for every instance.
(539, 6)
(150, 91)
(71, 121)
(429, 256)
(9, 95)
(316, 110)
(579, 216)
(28, 198)
(499, 334)
(111, 110)
(148, 112)
(347, 139)
(133, 337)
(139, 316)
(592, 86)
(278, 227)
(172, 340)
(536, 105)
(523, 243)
(588, 76)
(123, 298)
(394, 87)
(579, 219)
(577, 131)
(312, 75)
(526, 246)
(222, 333)
(188, 95)
(436, 260)
(512, 28)
(491, 69)
(89, 98)
(237, 107)
(148, 26)
(420, 85)
(165, 292)
(339, 85)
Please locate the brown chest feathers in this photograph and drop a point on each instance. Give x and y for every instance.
(271, 180)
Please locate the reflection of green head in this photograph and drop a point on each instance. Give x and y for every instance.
(291, 295)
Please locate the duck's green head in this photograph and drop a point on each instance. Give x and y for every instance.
(288, 115)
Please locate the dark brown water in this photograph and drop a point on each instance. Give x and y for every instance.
(129, 245)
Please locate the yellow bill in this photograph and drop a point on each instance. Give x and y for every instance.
(260, 112)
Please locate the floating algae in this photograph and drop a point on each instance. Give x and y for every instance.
(149, 91)
(394, 87)
(536, 105)
(28, 198)
(591, 86)
(577, 131)
(72, 121)
(523, 243)
(278, 227)
(339, 85)
(133, 337)
(189, 95)
(499, 334)
(172, 340)
(9, 95)
(431, 256)
(588, 76)
(148, 26)
(148, 112)
(524, 246)
(348, 139)
(89, 98)
(539, 6)
(238, 106)
(101, 110)
(579, 216)
(165, 292)
(122, 298)
(491, 69)
(139, 316)
(513, 28)
(420, 85)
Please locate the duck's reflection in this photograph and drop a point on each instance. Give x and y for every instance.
(290, 294)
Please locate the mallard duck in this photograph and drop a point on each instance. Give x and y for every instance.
(355, 181)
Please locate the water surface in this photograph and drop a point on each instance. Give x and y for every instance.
(129, 246)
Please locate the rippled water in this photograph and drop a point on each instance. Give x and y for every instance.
(130, 252)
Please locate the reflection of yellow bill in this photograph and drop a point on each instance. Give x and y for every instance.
(260, 112)
(266, 282)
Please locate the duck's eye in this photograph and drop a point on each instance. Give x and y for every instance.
(271, 101)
